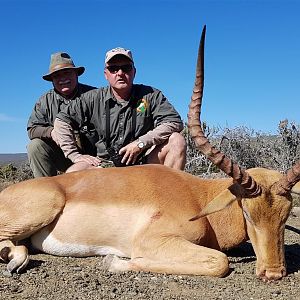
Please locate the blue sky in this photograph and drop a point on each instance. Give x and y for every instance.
(251, 68)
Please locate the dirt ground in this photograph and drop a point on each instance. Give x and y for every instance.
(50, 277)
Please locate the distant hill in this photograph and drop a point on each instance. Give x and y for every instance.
(16, 159)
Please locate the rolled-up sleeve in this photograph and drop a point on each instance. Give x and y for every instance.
(65, 138)
(160, 133)
(166, 120)
(38, 125)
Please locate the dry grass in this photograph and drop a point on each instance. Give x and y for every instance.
(3, 185)
(248, 148)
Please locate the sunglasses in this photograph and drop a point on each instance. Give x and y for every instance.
(115, 69)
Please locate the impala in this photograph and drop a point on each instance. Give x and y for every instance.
(151, 217)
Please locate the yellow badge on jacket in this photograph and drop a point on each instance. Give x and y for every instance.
(142, 106)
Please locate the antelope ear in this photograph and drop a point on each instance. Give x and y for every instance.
(220, 202)
(296, 188)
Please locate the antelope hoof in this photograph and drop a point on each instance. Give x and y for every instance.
(17, 258)
(107, 261)
(272, 274)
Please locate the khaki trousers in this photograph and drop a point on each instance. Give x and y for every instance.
(46, 158)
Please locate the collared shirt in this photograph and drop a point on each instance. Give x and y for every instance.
(41, 120)
(152, 109)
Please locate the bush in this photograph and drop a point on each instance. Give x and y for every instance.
(247, 148)
(11, 173)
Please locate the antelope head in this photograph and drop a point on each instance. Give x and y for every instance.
(265, 195)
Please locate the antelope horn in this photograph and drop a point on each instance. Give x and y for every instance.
(239, 175)
(285, 184)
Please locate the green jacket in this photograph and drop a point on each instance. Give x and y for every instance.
(41, 120)
(152, 109)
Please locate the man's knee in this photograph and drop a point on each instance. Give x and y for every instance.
(176, 151)
(177, 142)
(46, 158)
(33, 145)
(36, 147)
(172, 153)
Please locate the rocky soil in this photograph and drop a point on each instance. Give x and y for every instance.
(49, 277)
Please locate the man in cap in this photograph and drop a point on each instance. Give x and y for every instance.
(45, 156)
(135, 123)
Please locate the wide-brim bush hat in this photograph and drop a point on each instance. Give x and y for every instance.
(61, 61)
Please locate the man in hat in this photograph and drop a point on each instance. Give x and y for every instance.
(45, 156)
(135, 123)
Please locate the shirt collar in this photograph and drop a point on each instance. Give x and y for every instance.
(111, 96)
(75, 95)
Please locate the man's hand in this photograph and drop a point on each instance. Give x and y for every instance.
(90, 160)
(130, 153)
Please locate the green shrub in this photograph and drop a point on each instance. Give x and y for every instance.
(11, 173)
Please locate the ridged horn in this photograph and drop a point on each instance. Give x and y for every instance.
(239, 175)
(285, 184)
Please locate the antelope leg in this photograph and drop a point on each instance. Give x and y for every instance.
(172, 256)
(16, 256)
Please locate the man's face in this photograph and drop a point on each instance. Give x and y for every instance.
(120, 72)
(65, 81)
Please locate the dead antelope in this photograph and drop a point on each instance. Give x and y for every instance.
(150, 213)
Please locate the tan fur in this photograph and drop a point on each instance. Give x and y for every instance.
(143, 213)
(296, 188)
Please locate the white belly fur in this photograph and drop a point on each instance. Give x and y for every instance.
(47, 243)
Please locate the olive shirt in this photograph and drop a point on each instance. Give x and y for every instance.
(41, 120)
(152, 110)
